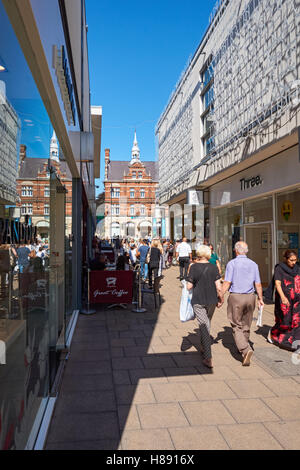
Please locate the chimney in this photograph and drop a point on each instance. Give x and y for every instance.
(107, 160)
(22, 152)
(22, 157)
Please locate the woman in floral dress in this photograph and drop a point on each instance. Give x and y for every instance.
(286, 331)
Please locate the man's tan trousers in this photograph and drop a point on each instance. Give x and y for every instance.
(240, 310)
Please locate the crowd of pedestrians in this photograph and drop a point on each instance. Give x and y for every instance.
(203, 277)
(24, 257)
(151, 255)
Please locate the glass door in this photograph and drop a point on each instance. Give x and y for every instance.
(259, 238)
(56, 270)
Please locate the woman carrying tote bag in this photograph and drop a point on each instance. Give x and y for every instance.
(204, 279)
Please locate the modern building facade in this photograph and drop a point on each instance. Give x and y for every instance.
(230, 132)
(130, 196)
(44, 97)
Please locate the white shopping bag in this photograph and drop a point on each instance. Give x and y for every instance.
(2, 352)
(186, 309)
(259, 316)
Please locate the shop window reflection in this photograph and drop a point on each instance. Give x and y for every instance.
(228, 231)
(25, 225)
(288, 217)
(258, 210)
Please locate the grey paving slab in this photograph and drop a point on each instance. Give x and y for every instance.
(198, 438)
(86, 402)
(252, 436)
(87, 368)
(103, 444)
(147, 375)
(84, 427)
(91, 382)
(145, 439)
(278, 361)
(97, 355)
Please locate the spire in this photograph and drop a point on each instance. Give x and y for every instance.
(54, 148)
(135, 152)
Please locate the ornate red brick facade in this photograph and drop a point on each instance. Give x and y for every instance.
(130, 189)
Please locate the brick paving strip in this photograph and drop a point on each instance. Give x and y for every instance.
(127, 385)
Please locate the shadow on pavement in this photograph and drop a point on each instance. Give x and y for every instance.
(103, 378)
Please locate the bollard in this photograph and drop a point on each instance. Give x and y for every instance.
(139, 308)
(88, 311)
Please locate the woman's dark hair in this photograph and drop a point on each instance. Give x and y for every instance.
(121, 263)
(288, 253)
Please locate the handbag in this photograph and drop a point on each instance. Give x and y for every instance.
(186, 308)
(148, 256)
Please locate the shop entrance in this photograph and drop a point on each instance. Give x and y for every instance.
(259, 238)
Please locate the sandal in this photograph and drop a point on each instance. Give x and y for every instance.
(247, 358)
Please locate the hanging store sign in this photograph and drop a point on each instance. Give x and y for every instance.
(247, 183)
(60, 64)
(194, 197)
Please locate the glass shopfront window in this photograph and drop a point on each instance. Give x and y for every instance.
(288, 217)
(258, 210)
(228, 231)
(176, 215)
(267, 237)
(35, 246)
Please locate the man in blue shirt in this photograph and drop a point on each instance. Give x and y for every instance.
(242, 279)
(142, 253)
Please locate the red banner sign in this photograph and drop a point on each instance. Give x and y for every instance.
(111, 287)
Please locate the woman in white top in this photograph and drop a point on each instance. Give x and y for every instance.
(133, 254)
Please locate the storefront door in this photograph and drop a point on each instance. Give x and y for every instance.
(57, 271)
(259, 238)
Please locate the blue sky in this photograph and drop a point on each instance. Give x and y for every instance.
(137, 51)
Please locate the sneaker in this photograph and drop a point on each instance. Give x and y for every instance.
(269, 337)
(247, 358)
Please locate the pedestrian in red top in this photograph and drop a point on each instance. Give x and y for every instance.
(286, 331)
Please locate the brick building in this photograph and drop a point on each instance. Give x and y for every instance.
(34, 188)
(130, 189)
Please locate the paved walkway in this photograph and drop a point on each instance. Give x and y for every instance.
(127, 385)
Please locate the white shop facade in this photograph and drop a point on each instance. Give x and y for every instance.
(261, 205)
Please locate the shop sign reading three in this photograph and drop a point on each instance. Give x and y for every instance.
(60, 64)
